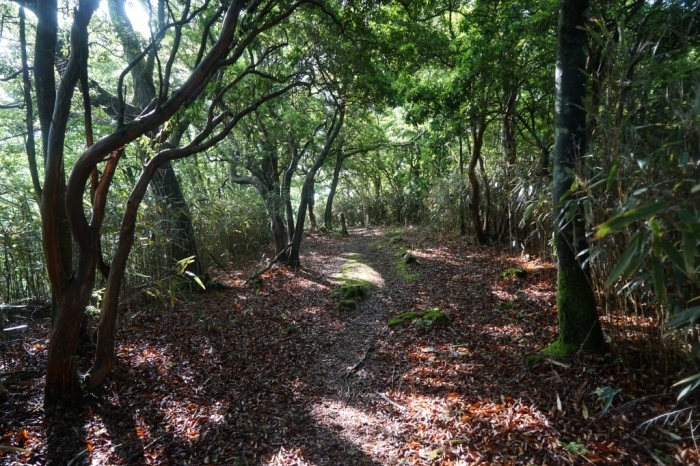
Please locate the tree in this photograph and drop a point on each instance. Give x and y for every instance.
(165, 184)
(238, 25)
(579, 327)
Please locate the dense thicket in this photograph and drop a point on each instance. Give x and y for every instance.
(244, 118)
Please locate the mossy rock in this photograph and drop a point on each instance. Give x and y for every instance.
(406, 317)
(435, 316)
(409, 258)
(351, 292)
(514, 273)
(355, 290)
(426, 319)
(348, 304)
(356, 280)
(533, 360)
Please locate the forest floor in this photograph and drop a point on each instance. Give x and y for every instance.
(280, 374)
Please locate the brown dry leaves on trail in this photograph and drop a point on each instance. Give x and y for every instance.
(281, 375)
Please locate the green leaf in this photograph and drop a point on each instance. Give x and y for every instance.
(685, 318)
(673, 254)
(659, 279)
(693, 382)
(625, 262)
(612, 176)
(633, 215)
(607, 395)
(529, 211)
(689, 247)
(199, 282)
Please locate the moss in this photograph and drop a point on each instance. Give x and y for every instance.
(405, 272)
(356, 280)
(533, 360)
(426, 319)
(579, 326)
(505, 305)
(354, 290)
(348, 304)
(559, 350)
(514, 273)
(397, 240)
(291, 330)
(435, 316)
(406, 317)
(402, 251)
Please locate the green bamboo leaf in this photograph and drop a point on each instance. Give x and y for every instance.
(673, 254)
(199, 282)
(529, 211)
(612, 176)
(659, 279)
(633, 215)
(687, 317)
(625, 262)
(588, 208)
(689, 248)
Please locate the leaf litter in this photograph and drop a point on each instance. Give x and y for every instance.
(281, 375)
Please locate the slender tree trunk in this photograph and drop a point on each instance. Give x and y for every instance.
(312, 203)
(328, 214)
(294, 259)
(487, 196)
(478, 130)
(286, 190)
(579, 326)
(462, 216)
(45, 85)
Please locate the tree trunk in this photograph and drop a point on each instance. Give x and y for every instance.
(165, 184)
(487, 197)
(478, 129)
(343, 225)
(294, 260)
(579, 327)
(462, 216)
(71, 294)
(285, 191)
(328, 214)
(312, 203)
(45, 86)
(177, 213)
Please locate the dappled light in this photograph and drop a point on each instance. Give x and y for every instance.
(334, 233)
(279, 374)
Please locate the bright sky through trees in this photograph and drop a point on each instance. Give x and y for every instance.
(137, 15)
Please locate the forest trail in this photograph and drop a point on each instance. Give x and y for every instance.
(282, 375)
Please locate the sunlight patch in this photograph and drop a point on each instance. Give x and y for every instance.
(376, 434)
(289, 456)
(356, 270)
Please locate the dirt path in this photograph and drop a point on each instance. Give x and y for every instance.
(281, 375)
